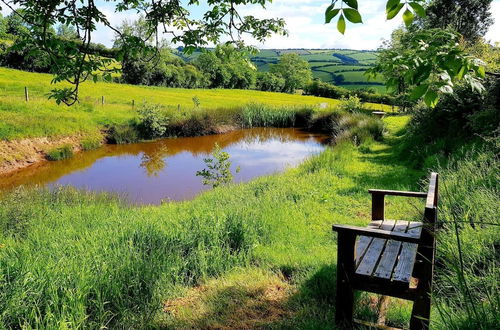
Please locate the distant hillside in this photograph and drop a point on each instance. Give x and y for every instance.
(343, 67)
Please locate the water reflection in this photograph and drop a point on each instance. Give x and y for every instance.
(166, 169)
(153, 161)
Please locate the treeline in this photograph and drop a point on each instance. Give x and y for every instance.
(226, 66)
(322, 89)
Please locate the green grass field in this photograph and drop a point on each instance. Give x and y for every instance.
(42, 117)
(324, 61)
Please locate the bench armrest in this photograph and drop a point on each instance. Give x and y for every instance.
(398, 193)
(377, 233)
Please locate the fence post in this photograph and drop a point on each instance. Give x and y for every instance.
(133, 104)
(179, 107)
(102, 100)
(26, 95)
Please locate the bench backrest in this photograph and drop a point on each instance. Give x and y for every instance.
(431, 204)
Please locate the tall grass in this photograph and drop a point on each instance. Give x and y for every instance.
(258, 115)
(102, 265)
(467, 295)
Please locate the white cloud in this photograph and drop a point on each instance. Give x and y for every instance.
(493, 34)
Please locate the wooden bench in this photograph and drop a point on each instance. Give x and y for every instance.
(391, 258)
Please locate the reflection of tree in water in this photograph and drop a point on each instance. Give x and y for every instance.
(153, 160)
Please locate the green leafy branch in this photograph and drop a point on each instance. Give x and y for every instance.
(348, 10)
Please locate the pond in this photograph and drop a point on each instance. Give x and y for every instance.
(147, 173)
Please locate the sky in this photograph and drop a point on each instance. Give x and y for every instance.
(305, 24)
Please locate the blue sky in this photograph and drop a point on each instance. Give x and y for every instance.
(305, 24)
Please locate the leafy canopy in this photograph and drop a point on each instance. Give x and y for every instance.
(428, 63)
(75, 63)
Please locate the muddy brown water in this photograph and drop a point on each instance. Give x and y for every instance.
(147, 173)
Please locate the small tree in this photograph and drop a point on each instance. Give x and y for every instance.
(295, 70)
(153, 121)
(218, 171)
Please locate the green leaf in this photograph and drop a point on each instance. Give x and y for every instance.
(481, 72)
(391, 4)
(418, 9)
(446, 89)
(461, 72)
(421, 73)
(352, 3)
(419, 91)
(341, 24)
(330, 13)
(408, 17)
(431, 98)
(352, 15)
(394, 11)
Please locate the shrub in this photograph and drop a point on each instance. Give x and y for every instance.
(60, 153)
(218, 171)
(319, 88)
(351, 104)
(122, 134)
(271, 82)
(153, 121)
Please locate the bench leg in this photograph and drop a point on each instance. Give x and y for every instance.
(345, 293)
(421, 312)
(344, 304)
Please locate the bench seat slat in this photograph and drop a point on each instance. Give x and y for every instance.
(406, 261)
(363, 242)
(372, 255)
(391, 253)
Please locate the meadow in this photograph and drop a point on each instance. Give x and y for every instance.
(111, 264)
(260, 254)
(41, 117)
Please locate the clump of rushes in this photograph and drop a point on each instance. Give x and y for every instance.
(260, 115)
(91, 143)
(122, 134)
(60, 153)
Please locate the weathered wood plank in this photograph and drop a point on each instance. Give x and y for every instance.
(363, 242)
(372, 255)
(378, 233)
(391, 253)
(398, 193)
(406, 261)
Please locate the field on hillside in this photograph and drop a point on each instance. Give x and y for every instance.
(43, 117)
(325, 64)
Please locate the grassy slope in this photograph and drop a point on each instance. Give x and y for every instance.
(120, 264)
(42, 117)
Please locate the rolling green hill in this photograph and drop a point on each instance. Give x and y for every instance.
(343, 67)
